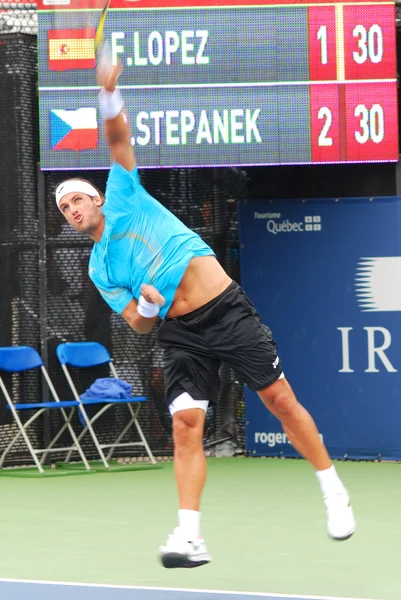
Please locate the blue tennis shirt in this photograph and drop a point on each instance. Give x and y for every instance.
(142, 242)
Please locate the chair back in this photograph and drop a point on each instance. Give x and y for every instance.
(82, 354)
(19, 358)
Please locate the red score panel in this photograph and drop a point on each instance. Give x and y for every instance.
(369, 42)
(322, 43)
(325, 123)
(156, 4)
(371, 121)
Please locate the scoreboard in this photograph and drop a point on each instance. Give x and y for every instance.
(215, 83)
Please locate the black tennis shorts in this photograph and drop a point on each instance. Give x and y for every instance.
(226, 329)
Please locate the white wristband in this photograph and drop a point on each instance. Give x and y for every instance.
(110, 103)
(147, 309)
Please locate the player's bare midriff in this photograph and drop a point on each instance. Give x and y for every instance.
(203, 280)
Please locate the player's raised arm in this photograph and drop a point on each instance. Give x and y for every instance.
(111, 106)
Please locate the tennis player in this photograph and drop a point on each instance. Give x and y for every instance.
(147, 264)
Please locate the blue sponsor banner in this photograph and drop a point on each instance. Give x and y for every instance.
(325, 275)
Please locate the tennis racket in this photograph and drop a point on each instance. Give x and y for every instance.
(81, 41)
(99, 35)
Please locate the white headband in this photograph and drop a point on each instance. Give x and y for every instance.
(74, 185)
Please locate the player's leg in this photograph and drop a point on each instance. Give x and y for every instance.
(189, 457)
(186, 547)
(244, 342)
(297, 422)
(301, 430)
(191, 380)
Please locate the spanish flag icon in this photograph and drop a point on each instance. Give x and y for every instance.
(71, 49)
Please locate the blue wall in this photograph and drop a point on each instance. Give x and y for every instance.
(325, 276)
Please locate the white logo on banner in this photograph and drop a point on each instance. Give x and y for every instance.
(313, 223)
(378, 284)
(273, 438)
(310, 223)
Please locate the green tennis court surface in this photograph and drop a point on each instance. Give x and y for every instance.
(263, 521)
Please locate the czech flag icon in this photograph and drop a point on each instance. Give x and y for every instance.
(75, 129)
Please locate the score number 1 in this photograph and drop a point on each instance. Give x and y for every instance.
(322, 43)
(370, 44)
(322, 37)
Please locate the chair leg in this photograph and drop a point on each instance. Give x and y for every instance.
(79, 438)
(120, 437)
(10, 445)
(141, 435)
(85, 416)
(94, 437)
(53, 442)
(76, 446)
(84, 432)
(22, 432)
(18, 435)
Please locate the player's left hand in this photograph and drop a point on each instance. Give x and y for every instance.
(151, 294)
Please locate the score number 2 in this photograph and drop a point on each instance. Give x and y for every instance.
(371, 124)
(324, 139)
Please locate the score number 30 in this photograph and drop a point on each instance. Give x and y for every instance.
(371, 124)
(370, 44)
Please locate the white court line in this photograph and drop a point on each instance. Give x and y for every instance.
(185, 590)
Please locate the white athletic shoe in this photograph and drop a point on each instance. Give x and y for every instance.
(181, 553)
(340, 517)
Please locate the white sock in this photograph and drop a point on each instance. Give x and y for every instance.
(189, 522)
(329, 481)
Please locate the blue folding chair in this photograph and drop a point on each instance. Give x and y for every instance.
(91, 354)
(17, 359)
